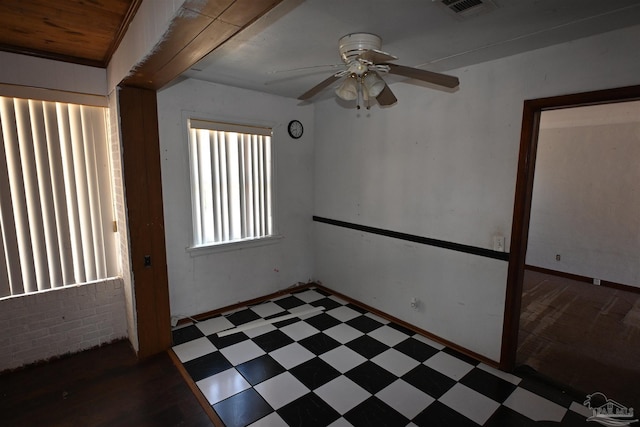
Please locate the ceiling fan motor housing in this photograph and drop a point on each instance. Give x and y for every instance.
(352, 45)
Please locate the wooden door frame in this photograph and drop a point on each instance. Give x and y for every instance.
(143, 198)
(209, 25)
(522, 203)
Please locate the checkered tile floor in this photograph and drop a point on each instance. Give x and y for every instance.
(335, 364)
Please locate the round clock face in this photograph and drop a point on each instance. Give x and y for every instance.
(295, 129)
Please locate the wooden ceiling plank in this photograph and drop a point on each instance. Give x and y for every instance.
(182, 31)
(72, 49)
(61, 17)
(77, 31)
(212, 37)
(89, 32)
(243, 12)
(211, 8)
(51, 55)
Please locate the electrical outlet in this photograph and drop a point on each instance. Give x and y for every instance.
(414, 303)
(498, 243)
(557, 257)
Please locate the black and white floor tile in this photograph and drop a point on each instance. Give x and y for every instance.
(331, 363)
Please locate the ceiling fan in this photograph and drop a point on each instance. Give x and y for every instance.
(364, 63)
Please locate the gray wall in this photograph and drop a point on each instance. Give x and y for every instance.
(586, 196)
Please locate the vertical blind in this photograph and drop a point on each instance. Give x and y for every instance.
(231, 177)
(56, 208)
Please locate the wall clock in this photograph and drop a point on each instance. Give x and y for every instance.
(295, 129)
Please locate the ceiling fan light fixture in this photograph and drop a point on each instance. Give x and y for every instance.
(348, 90)
(373, 84)
(364, 61)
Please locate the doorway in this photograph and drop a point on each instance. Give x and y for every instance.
(523, 201)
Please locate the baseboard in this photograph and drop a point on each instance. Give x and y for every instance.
(303, 286)
(254, 301)
(414, 328)
(620, 286)
(584, 279)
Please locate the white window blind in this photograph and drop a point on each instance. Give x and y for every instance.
(56, 211)
(231, 182)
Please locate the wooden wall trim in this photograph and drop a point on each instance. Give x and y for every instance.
(584, 279)
(200, 397)
(522, 201)
(143, 196)
(51, 56)
(519, 228)
(575, 277)
(453, 246)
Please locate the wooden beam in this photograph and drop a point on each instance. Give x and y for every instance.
(211, 8)
(143, 195)
(198, 29)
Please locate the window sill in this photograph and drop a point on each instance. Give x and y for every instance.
(195, 251)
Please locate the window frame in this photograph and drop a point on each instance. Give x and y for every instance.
(232, 125)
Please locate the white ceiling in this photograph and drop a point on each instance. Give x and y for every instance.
(273, 54)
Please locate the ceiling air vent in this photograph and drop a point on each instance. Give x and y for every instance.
(467, 8)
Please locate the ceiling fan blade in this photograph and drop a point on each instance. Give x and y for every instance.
(375, 56)
(313, 67)
(319, 87)
(386, 97)
(426, 76)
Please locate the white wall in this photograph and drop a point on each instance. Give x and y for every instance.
(586, 203)
(22, 70)
(443, 166)
(200, 283)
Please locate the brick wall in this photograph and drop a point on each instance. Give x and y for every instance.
(40, 326)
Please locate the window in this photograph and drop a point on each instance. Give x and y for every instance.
(56, 210)
(231, 182)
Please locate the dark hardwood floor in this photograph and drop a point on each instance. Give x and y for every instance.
(107, 386)
(582, 336)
